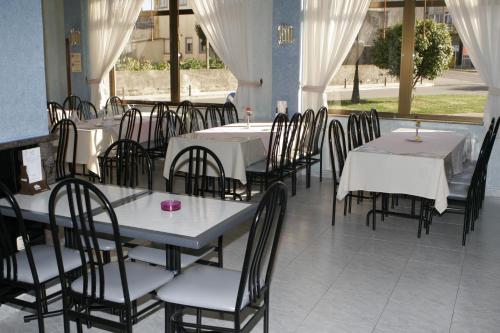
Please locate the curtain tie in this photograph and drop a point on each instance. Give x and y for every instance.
(93, 81)
(247, 83)
(493, 91)
(317, 89)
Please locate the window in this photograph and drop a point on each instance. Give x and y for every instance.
(182, 3)
(163, 4)
(189, 45)
(457, 93)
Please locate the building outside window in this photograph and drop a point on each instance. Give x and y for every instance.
(189, 45)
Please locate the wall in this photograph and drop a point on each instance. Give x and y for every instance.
(55, 55)
(475, 133)
(286, 58)
(22, 87)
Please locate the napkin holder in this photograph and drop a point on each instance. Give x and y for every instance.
(31, 188)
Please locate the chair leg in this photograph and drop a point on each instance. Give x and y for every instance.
(198, 320)
(249, 187)
(266, 313)
(220, 253)
(334, 206)
(420, 223)
(374, 217)
(321, 166)
(106, 255)
(346, 199)
(169, 326)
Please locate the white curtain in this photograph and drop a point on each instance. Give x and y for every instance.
(478, 24)
(329, 30)
(110, 24)
(240, 33)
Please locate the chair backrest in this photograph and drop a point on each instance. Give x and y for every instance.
(366, 127)
(87, 110)
(128, 159)
(71, 103)
(213, 117)
(375, 123)
(263, 240)
(354, 138)
(338, 151)
(56, 112)
(229, 113)
(130, 125)
(115, 106)
(199, 161)
(320, 121)
(156, 135)
(293, 139)
(193, 120)
(173, 126)
(183, 107)
(8, 248)
(277, 143)
(67, 143)
(85, 201)
(307, 133)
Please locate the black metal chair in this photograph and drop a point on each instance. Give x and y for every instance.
(229, 113)
(114, 106)
(354, 137)
(315, 151)
(293, 136)
(375, 123)
(67, 143)
(270, 169)
(366, 127)
(56, 112)
(205, 288)
(193, 120)
(71, 103)
(213, 117)
(183, 107)
(86, 111)
(156, 134)
(338, 152)
(29, 270)
(130, 125)
(114, 287)
(173, 126)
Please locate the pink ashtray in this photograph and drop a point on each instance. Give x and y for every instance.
(170, 205)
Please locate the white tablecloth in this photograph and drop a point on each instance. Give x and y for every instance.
(235, 153)
(393, 164)
(95, 136)
(260, 131)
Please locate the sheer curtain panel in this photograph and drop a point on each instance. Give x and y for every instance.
(329, 30)
(240, 33)
(110, 24)
(478, 24)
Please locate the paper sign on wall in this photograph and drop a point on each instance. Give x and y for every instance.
(76, 62)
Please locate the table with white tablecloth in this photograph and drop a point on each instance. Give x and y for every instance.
(396, 163)
(235, 152)
(260, 131)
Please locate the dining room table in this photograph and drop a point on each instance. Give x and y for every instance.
(399, 162)
(139, 214)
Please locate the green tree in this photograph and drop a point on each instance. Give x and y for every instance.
(433, 50)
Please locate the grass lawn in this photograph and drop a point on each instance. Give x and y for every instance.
(428, 104)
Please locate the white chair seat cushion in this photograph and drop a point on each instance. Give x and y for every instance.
(45, 260)
(159, 256)
(141, 278)
(205, 287)
(458, 191)
(104, 244)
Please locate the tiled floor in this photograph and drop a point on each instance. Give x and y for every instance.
(348, 278)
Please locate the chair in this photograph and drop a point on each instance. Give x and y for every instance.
(307, 133)
(67, 143)
(315, 154)
(354, 138)
(199, 161)
(29, 270)
(156, 133)
(375, 123)
(270, 168)
(229, 113)
(193, 120)
(115, 105)
(289, 167)
(183, 107)
(56, 112)
(130, 125)
(113, 286)
(338, 152)
(173, 126)
(71, 103)
(366, 127)
(87, 110)
(213, 118)
(206, 288)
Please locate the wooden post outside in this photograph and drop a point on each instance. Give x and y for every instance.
(175, 95)
(407, 50)
(68, 66)
(112, 83)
